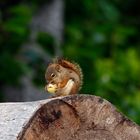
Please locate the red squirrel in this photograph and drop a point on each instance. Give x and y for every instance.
(63, 78)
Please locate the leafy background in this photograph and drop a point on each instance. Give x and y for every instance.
(102, 36)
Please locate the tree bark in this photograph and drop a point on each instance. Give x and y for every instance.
(77, 117)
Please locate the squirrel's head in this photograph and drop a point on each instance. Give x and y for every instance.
(55, 77)
(53, 72)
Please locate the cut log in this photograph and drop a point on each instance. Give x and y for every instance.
(80, 117)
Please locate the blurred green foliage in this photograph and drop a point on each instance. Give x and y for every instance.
(14, 30)
(47, 42)
(102, 36)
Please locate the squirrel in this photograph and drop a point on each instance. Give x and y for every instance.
(63, 78)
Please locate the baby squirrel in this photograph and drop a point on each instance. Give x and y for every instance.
(63, 78)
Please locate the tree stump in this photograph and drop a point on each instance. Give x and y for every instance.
(80, 117)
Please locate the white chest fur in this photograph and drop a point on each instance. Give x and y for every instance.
(68, 87)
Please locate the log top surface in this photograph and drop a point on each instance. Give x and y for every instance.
(65, 118)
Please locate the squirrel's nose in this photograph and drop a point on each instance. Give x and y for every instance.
(51, 82)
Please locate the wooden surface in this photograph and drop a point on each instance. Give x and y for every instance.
(66, 118)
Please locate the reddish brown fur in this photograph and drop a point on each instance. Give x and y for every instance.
(64, 71)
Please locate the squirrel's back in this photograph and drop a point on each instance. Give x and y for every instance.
(72, 66)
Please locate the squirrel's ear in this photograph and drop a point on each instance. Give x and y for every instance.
(57, 67)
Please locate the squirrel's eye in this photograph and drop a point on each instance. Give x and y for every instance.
(52, 75)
